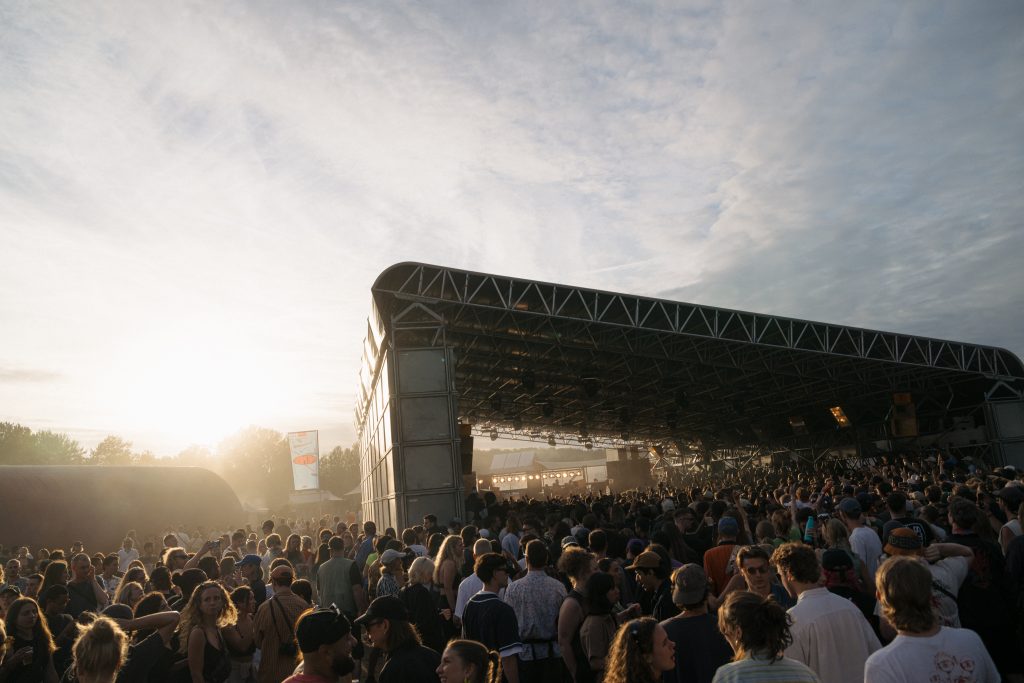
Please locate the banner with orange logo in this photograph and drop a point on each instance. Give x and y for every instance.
(305, 455)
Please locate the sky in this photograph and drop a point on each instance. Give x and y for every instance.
(195, 198)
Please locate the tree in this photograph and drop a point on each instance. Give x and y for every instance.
(20, 446)
(339, 470)
(255, 462)
(113, 450)
(58, 449)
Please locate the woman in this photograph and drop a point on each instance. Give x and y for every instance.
(836, 537)
(446, 575)
(240, 636)
(758, 630)
(160, 581)
(308, 553)
(129, 594)
(467, 661)
(578, 566)
(422, 604)
(293, 553)
(209, 610)
(99, 652)
(186, 582)
(136, 574)
(641, 653)
(56, 573)
(392, 573)
(599, 627)
(31, 643)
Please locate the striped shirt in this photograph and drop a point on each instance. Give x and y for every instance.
(763, 670)
(492, 622)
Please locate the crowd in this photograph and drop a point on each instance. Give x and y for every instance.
(901, 570)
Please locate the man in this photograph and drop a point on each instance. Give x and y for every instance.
(126, 555)
(408, 661)
(896, 504)
(368, 546)
(535, 598)
(656, 591)
(107, 578)
(175, 558)
(471, 585)
(274, 550)
(251, 569)
(85, 593)
(756, 575)
(338, 582)
(716, 560)
(830, 634)
(695, 629)
(325, 640)
(273, 630)
(923, 650)
(696, 535)
(863, 539)
(238, 542)
(430, 525)
(267, 528)
(948, 564)
(14, 577)
(577, 565)
(489, 620)
(32, 589)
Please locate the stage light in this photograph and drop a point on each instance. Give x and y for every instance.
(840, 416)
(479, 481)
(798, 424)
(494, 435)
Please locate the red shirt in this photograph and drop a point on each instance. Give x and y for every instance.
(716, 561)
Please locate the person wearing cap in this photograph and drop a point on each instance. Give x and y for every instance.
(830, 634)
(251, 568)
(655, 590)
(491, 621)
(863, 539)
(1010, 498)
(695, 630)
(716, 560)
(471, 585)
(923, 649)
(387, 624)
(392, 572)
(326, 641)
(273, 627)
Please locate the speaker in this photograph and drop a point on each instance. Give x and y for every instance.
(466, 448)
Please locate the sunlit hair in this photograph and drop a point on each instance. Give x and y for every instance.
(160, 579)
(240, 597)
(486, 663)
(136, 574)
(191, 615)
(754, 625)
(42, 639)
(100, 650)
(575, 562)
(449, 551)
(399, 634)
(56, 573)
(420, 571)
(164, 559)
(904, 587)
(122, 595)
(836, 535)
(3, 640)
(798, 560)
(151, 603)
(629, 657)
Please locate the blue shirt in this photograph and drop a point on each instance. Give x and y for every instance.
(365, 548)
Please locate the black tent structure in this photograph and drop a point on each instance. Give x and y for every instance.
(450, 354)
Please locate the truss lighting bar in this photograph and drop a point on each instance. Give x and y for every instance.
(840, 416)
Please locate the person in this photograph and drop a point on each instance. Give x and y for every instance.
(13, 576)
(863, 539)
(338, 582)
(716, 560)
(948, 564)
(599, 627)
(102, 651)
(467, 661)
(694, 629)
(830, 634)
(31, 644)
(840, 579)
(240, 636)
(56, 573)
(446, 574)
(60, 624)
(99, 652)
(35, 581)
(489, 620)
(758, 630)
(836, 537)
(126, 555)
(923, 650)
(134, 574)
(471, 585)
(275, 550)
(367, 546)
(536, 598)
(392, 572)
(207, 612)
(1011, 502)
(656, 592)
(325, 639)
(273, 627)
(408, 661)
(186, 581)
(251, 569)
(755, 575)
(293, 553)
(84, 590)
(641, 653)
(422, 604)
(129, 594)
(896, 505)
(577, 565)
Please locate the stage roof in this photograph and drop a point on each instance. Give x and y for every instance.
(546, 361)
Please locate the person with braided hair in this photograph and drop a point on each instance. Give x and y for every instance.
(757, 628)
(468, 661)
(640, 653)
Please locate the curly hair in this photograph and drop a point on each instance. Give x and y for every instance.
(753, 624)
(575, 562)
(797, 560)
(192, 618)
(629, 657)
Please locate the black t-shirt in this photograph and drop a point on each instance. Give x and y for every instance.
(921, 528)
(705, 648)
(81, 598)
(411, 664)
(142, 658)
(490, 621)
(35, 670)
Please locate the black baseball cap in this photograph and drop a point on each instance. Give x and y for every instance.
(386, 607)
(323, 626)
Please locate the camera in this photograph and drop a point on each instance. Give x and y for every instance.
(215, 544)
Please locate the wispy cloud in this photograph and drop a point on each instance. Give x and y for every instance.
(202, 196)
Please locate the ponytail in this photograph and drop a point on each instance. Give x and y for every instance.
(100, 650)
(493, 668)
(486, 662)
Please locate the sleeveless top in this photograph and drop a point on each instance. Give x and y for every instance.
(584, 674)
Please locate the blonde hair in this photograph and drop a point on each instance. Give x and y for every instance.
(123, 588)
(191, 617)
(904, 587)
(836, 535)
(448, 552)
(100, 650)
(421, 570)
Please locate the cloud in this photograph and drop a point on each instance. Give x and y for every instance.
(27, 375)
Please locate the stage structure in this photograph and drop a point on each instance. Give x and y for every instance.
(451, 354)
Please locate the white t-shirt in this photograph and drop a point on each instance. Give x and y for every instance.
(952, 654)
(949, 573)
(868, 546)
(125, 558)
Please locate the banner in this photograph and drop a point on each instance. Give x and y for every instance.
(305, 456)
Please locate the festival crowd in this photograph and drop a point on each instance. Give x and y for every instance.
(906, 569)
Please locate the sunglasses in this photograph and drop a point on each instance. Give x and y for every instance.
(756, 570)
